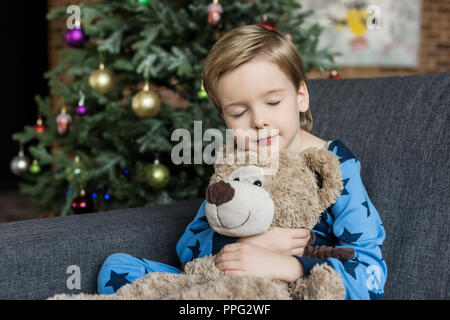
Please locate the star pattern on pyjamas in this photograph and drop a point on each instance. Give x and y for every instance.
(361, 262)
(349, 267)
(379, 246)
(366, 204)
(142, 259)
(349, 237)
(344, 191)
(198, 230)
(117, 280)
(323, 226)
(375, 296)
(195, 249)
(342, 152)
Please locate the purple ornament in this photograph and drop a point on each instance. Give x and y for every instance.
(75, 38)
(81, 110)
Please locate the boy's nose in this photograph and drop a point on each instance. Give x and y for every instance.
(260, 119)
(261, 123)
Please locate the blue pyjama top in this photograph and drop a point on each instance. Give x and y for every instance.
(351, 222)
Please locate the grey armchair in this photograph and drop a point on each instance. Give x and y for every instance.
(399, 129)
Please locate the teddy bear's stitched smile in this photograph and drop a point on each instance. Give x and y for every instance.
(223, 226)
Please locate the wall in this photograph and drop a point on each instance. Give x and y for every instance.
(434, 52)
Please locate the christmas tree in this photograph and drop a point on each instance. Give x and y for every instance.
(130, 76)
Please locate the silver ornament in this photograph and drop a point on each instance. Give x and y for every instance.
(20, 164)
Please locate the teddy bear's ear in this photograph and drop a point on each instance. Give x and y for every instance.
(326, 168)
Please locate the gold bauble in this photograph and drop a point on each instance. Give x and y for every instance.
(146, 103)
(101, 80)
(158, 176)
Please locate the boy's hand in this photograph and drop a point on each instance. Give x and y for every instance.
(250, 259)
(288, 241)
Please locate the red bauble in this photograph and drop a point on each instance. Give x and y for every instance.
(215, 11)
(334, 75)
(39, 126)
(268, 24)
(82, 204)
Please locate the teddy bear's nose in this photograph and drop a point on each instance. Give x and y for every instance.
(220, 192)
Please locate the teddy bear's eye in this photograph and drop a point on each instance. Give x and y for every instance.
(236, 179)
(257, 183)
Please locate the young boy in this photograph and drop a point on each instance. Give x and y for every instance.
(255, 78)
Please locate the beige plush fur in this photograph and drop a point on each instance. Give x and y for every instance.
(304, 185)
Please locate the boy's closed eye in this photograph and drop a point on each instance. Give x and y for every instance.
(240, 114)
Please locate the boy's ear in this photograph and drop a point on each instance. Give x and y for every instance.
(326, 168)
(303, 97)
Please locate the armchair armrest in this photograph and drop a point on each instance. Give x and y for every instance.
(35, 255)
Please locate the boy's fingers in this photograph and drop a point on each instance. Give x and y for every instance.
(297, 251)
(299, 243)
(227, 256)
(228, 265)
(233, 272)
(300, 233)
(231, 247)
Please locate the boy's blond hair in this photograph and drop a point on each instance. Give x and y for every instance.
(245, 43)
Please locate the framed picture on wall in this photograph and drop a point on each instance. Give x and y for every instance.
(369, 32)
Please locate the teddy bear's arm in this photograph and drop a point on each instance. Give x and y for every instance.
(322, 252)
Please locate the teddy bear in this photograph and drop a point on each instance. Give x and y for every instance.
(247, 194)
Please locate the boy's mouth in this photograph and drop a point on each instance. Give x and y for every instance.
(268, 140)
